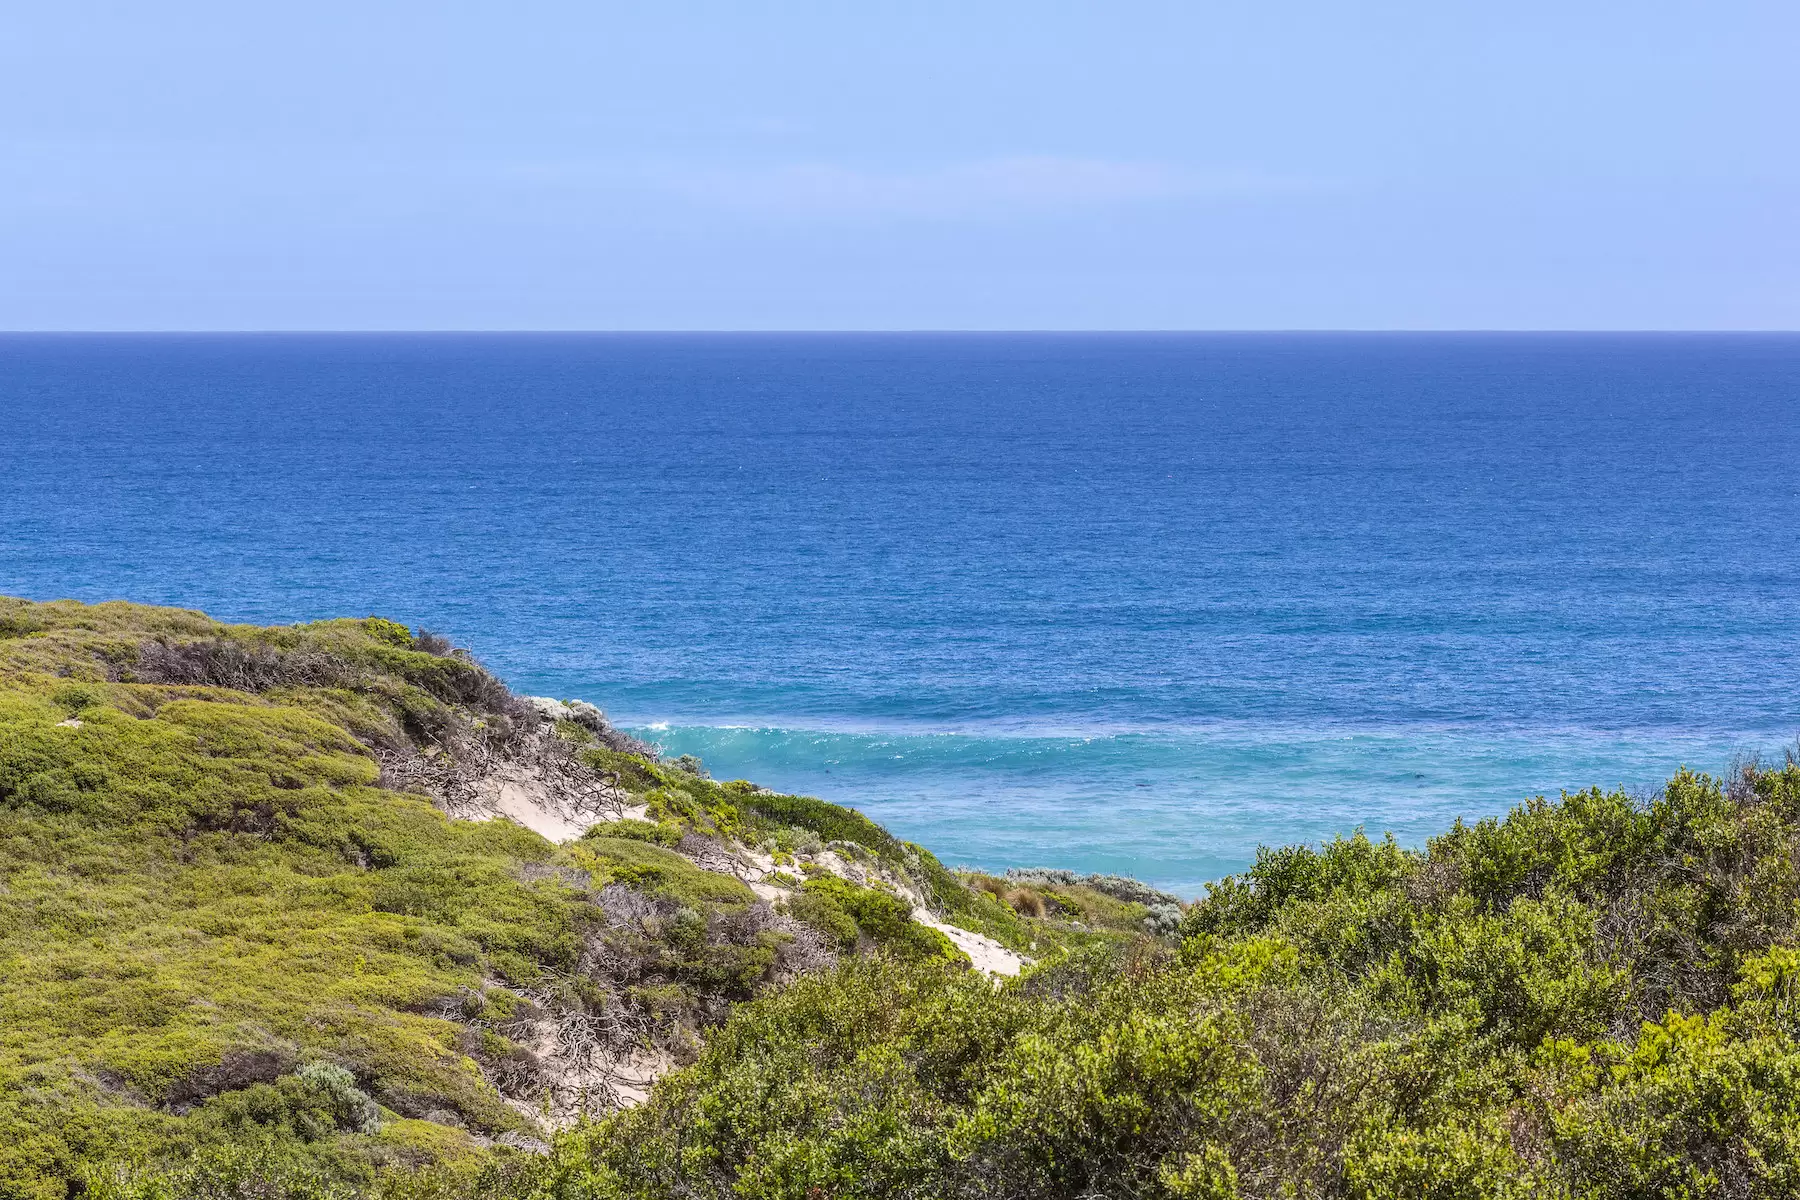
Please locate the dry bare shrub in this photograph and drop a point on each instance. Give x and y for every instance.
(1025, 902)
(236, 1069)
(241, 666)
(433, 643)
(994, 887)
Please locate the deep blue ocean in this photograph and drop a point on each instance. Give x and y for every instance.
(1113, 602)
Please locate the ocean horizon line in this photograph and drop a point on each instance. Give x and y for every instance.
(918, 331)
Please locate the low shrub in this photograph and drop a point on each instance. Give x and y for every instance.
(654, 832)
(848, 913)
(830, 822)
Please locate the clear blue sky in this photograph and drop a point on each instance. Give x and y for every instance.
(668, 165)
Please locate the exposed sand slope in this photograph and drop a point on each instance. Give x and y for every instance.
(520, 797)
(590, 1081)
(984, 952)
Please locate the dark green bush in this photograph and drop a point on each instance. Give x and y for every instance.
(656, 833)
(830, 822)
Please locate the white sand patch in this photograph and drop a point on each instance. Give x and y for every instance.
(523, 795)
(528, 806)
(769, 891)
(757, 864)
(633, 1078)
(984, 952)
(755, 867)
(840, 866)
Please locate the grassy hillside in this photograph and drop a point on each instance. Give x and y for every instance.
(236, 923)
(238, 965)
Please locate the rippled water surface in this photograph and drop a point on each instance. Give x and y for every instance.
(1130, 603)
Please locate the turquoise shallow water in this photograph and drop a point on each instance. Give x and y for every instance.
(1132, 602)
(1184, 807)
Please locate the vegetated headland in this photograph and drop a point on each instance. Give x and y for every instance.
(327, 911)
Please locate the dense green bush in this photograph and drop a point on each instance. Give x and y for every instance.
(656, 833)
(1591, 998)
(848, 914)
(830, 822)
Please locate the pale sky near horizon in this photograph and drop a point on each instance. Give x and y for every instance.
(559, 165)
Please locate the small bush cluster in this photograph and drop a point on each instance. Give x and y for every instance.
(1070, 899)
(851, 915)
(828, 821)
(657, 833)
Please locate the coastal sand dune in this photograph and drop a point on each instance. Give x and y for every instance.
(523, 796)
